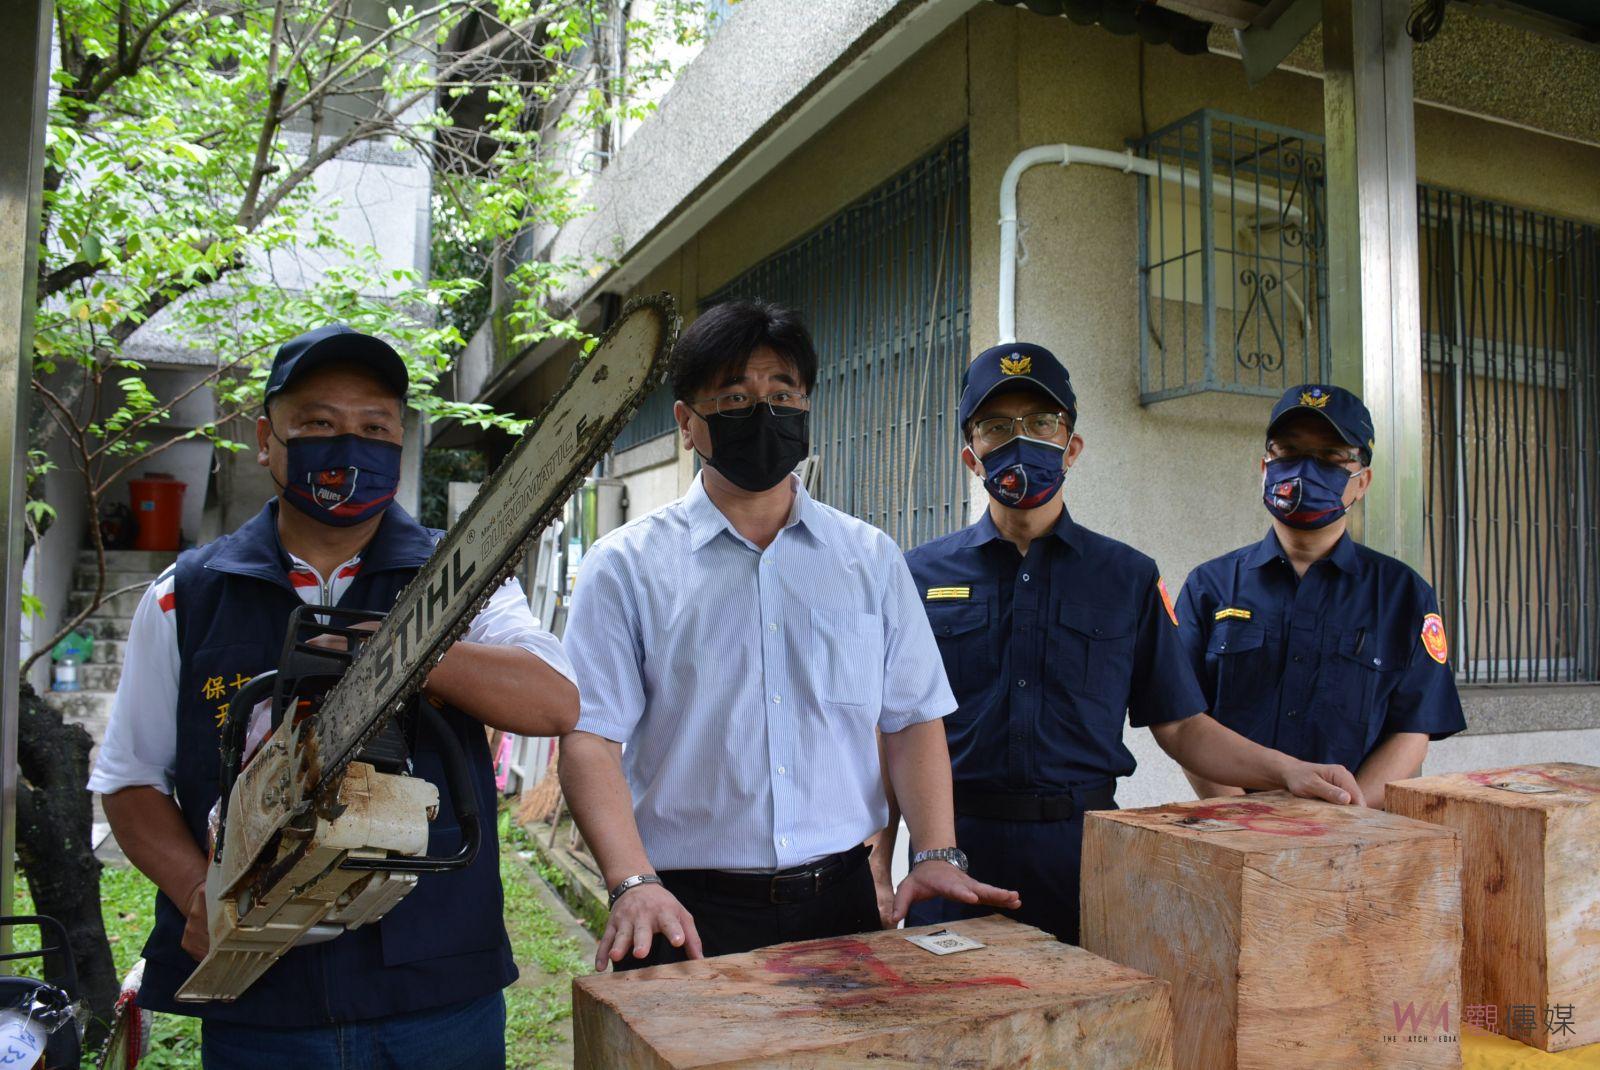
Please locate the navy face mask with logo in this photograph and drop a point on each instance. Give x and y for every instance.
(341, 479)
(1305, 493)
(1024, 473)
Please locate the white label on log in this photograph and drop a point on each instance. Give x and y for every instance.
(1207, 824)
(944, 942)
(1522, 787)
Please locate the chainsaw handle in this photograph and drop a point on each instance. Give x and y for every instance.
(463, 798)
(234, 727)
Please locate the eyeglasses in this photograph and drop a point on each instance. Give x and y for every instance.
(997, 429)
(741, 406)
(1325, 454)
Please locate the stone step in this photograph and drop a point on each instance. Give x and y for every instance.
(122, 605)
(92, 710)
(108, 651)
(116, 578)
(149, 562)
(93, 677)
(106, 627)
(82, 707)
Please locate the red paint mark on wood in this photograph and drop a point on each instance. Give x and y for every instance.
(857, 977)
(1257, 817)
(1488, 777)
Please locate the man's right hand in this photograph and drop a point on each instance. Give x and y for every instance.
(638, 916)
(197, 932)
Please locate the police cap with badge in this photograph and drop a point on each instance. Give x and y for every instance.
(1026, 471)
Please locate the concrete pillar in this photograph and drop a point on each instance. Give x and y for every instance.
(1375, 320)
(26, 24)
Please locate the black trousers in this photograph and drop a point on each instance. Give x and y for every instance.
(730, 924)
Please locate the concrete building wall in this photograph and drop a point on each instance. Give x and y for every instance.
(1177, 479)
(915, 109)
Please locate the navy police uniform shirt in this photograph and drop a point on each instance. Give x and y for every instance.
(1047, 653)
(1325, 666)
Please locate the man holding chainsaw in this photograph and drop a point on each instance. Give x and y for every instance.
(423, 985)
(748, 645)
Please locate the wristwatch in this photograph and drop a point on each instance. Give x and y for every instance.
(630, 884)
(954, 855)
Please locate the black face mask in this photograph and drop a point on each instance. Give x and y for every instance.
(755, 452)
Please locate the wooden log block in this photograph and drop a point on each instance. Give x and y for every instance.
(1295, 933)
(1530, 885)
(877, 1000)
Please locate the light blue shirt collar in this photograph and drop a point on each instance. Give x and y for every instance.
(706, 520)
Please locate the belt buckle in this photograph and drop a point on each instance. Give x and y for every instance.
(777, 883)
(813, 875)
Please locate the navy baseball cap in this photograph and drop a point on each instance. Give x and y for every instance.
(1342, 409)
(334, 344)
(1003, 368)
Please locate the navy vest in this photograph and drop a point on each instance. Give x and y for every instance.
(446, 941)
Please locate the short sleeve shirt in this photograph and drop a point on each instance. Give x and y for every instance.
(1050, 653)
(1324, 666)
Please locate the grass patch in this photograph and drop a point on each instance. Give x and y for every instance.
(536, 1006)
(127, 903)
(534, 1009)
(590, 914)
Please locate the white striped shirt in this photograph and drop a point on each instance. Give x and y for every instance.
(747, 684)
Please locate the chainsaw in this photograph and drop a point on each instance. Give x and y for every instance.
(322, 829)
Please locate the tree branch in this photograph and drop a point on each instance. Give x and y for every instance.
(325, 86)
(117, 473)
(261, 165)
(63, 277)
(129, 61)
(209, 379)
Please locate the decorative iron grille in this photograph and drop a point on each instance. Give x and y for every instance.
(1232, 270)
(883, 286)
(1510, 341)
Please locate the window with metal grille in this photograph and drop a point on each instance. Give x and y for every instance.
(653, 420)
(1232, 266)
(1510, 342)
(883, 286)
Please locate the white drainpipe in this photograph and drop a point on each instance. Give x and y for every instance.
(1124, 161)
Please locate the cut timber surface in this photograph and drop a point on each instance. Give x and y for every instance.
(1530, 886)
(877, 1000)
(1295, 933)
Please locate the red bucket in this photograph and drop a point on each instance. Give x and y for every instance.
(158, 509)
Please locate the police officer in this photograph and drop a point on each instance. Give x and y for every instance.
(1307, 641)
(422, 987)
(1050, 635)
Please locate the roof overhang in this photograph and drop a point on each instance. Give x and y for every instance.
(774, 75)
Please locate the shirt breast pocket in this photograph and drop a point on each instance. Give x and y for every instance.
(1236, 653)
(1093, 649)
(962, 631)
(1367, 670)
(847, 657)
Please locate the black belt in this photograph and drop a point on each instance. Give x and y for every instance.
(1004, 806)
(786, 886)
